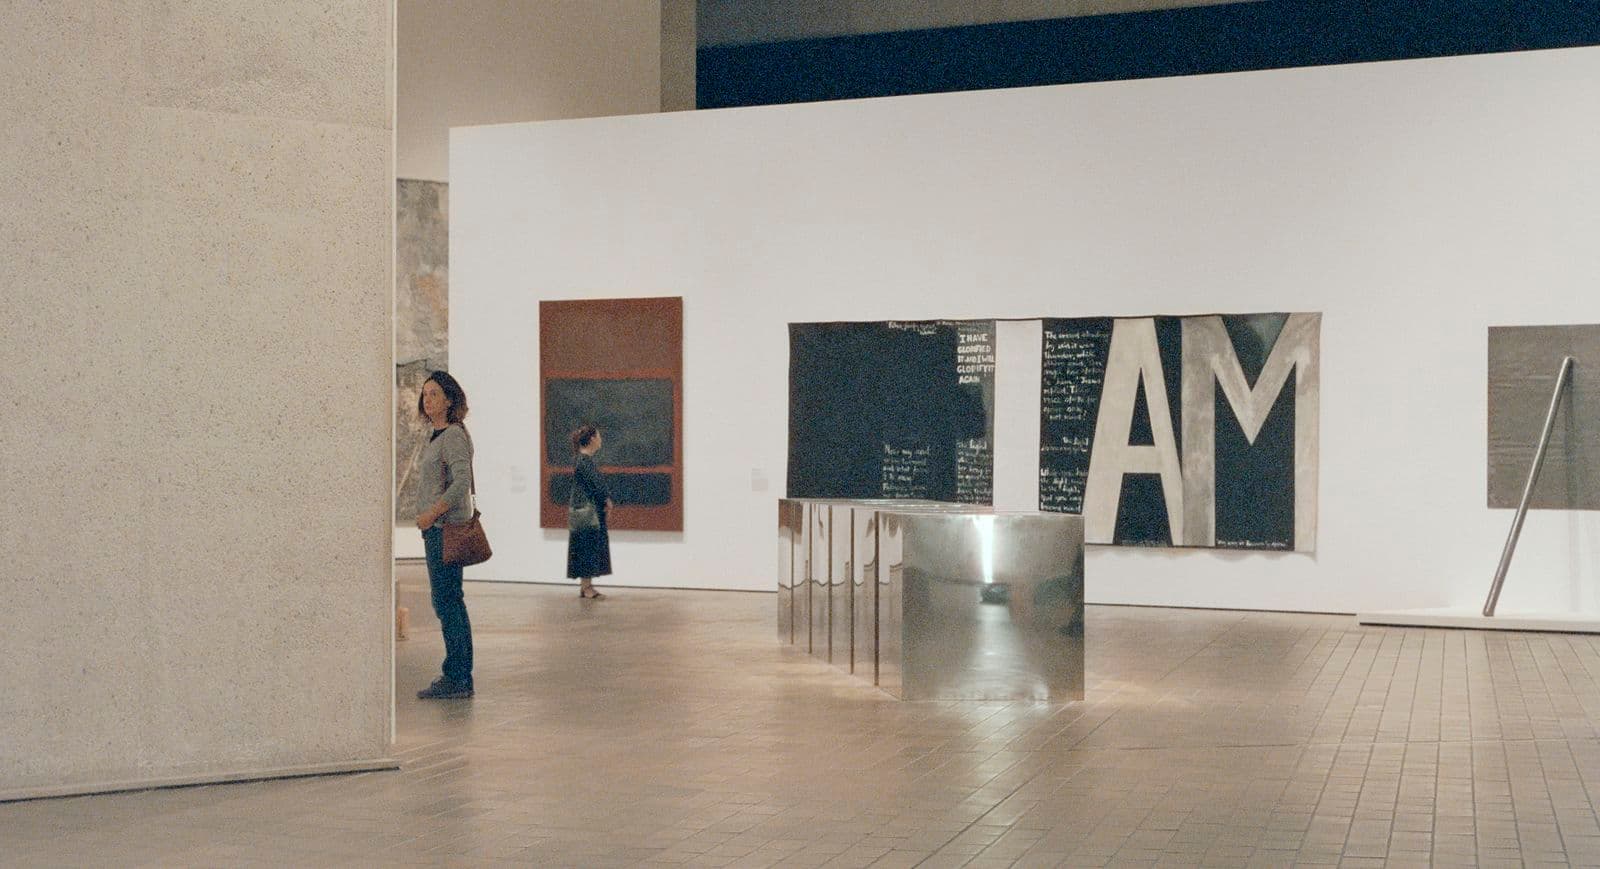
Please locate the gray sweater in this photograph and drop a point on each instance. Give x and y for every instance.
(445, 473)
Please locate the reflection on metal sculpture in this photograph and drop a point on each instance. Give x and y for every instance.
(791, 529)
(939, 601)
(818, 563)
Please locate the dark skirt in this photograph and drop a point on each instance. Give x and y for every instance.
(588, 553)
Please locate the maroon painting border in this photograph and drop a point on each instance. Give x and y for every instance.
(619, 339)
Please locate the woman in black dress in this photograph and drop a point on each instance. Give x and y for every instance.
(588, 544)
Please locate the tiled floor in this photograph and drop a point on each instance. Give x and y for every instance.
(669, 728)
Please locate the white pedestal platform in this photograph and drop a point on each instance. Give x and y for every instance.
(1463, 617)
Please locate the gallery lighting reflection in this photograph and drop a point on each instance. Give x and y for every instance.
(986, 546)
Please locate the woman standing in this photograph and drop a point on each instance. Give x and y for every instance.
(588, 544)
(444, 496)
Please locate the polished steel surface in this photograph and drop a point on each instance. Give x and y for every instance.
(965, 602)
(840, 608)
(791, 529)
(818, 562)
(891, 601)
(1527, 489)
(993, 607)
(864, 593)
(802, 597)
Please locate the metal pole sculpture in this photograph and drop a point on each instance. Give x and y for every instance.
(1527, 490)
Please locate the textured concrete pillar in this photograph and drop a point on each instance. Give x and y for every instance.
(195, 204)
(678, 45)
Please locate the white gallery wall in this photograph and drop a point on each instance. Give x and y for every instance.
(1413, 203)
(195, 299)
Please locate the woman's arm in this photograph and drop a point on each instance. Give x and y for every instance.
(457, 454)
(589, 478)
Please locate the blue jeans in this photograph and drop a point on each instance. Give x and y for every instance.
(451, 608)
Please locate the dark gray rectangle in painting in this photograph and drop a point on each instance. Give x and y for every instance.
(639, 490)
(1523, 362)
(634, 416)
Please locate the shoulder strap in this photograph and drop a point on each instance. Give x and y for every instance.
(472, 455)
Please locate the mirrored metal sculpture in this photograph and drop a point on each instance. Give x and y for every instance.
(939, 601)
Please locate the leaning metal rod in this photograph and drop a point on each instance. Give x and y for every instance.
(1527, 490)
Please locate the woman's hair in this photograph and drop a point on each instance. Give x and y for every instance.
(453, 393)
(583, 436)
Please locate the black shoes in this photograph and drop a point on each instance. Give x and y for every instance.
(444, 689)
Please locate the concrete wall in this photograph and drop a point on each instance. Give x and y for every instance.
(1414, 204)
(464, 62)
(679, 35)
(195, 204)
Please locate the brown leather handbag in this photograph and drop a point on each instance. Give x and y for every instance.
(466, 544)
